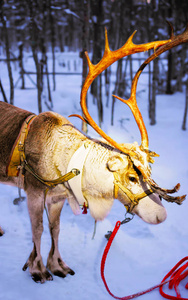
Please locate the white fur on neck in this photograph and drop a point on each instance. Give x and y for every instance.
(77, 162)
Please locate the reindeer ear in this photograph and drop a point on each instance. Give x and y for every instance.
(116, 163)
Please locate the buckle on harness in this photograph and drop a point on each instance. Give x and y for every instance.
(20, 147)
(127, 219)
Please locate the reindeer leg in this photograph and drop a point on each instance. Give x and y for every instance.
(35, 264)
(55, 263)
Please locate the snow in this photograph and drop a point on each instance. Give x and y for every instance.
(69, 12)
(141, 254)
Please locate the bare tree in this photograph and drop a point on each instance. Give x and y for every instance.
(7, 46)
(96, 88)
(3, 92)
(21, 65)
(52, 37)
(121, 32)
(34, 34)
(186, 108)
(152, 99)
(68, 20)
(85, 37)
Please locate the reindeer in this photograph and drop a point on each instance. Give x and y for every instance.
(53, 161)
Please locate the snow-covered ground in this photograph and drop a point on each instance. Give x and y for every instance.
(141, 254)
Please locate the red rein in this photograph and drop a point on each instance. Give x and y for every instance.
(177, 274)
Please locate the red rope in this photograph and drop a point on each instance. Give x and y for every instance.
(176, 275)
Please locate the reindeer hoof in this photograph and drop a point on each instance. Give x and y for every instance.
(38, 273)
(59, 273)
(42, 277)
(62, 273)
(37, 278)
(58, 267)
(1, 231)
(71, 272)
(17, 201)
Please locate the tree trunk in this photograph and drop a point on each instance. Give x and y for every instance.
(153, 99)
(149, 88)
(107, 85)
(21, 66)
(169, 74)
(60, 38)
(39, 79)
(52, 23)
(182, 68)
(3, 92)
(96, 87)
(149, 65)
(120, 84)
(7, 46)
(117, 89)
(99, 99)
(44, 61)
(85, 48)
(170, 57)
(186, 108)
(152, 103)
(34, 39)
(48, 85)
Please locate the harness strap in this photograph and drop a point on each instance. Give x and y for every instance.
(77, 161)
(17, 153)
(51, 183)
(134, 198)
(18, 159)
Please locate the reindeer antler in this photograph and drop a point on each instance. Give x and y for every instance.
(131, 102)
(108, 59)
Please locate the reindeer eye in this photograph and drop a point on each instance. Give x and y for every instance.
(132, 178)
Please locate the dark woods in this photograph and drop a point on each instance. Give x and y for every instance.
(51, 26)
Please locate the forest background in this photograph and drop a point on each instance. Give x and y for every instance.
(49, 27)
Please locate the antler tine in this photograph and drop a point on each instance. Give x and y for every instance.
(108, 59)
(131, 102)
(173, 42)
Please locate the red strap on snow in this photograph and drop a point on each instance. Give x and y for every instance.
(176, 275)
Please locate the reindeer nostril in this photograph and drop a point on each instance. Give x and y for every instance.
(161, 217)
(158, 220)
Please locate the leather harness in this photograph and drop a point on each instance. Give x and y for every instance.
(18, 160)
(17, 154)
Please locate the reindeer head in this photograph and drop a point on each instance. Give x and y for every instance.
(133, 184)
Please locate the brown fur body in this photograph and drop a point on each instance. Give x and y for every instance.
(50, 144)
